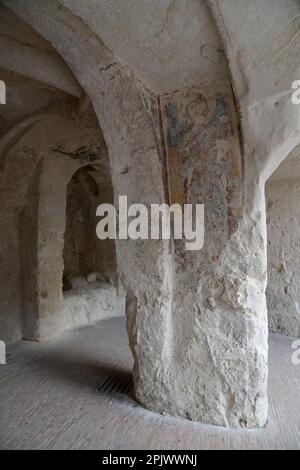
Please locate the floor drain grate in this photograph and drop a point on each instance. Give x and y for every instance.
(115, 384)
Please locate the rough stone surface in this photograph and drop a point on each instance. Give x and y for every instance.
(193, 108)
(90, 417)
(283, 211)
(34, 215)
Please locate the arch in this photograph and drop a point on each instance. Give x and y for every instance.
(133, 155)
(283, 202)
(205, 325)
(41, 156)
(2, 92)
(270, 121)
(190, 320)
(84, 255)
(93, 295)
(2, 353)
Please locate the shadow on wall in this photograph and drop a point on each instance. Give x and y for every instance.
(72, 272)
(283, 219)
(86, 257)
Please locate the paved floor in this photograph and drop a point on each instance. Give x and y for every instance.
(59, 396)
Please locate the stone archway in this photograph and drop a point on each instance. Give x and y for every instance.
(93, 293)
(50, 310)
(199, 340)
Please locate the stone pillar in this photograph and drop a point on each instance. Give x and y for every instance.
(44, 221)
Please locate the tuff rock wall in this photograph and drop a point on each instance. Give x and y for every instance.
(190, 112)
(283, 291)
(38, 162)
